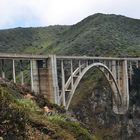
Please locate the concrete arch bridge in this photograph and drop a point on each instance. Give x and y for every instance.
(58, 76)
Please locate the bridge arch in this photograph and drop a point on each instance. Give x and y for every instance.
(106, 71)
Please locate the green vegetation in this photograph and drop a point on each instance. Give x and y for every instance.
(22, 118)
(29, 40)
(99, 34)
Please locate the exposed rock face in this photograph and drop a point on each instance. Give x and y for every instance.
(95, 112)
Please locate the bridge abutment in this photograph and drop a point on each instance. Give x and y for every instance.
(44, 78)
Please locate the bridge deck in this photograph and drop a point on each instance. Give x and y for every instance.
(22, 56)
(101, 58)
(41, 57)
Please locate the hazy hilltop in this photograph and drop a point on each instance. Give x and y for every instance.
(99, 34)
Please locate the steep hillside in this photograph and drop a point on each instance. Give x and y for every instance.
(102, 35)
(24, 116)
(99, 34)
(92, 105)
(29, 40)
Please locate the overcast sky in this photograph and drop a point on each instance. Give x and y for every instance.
(27, 13)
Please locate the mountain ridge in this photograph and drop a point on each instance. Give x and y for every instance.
(96, 35)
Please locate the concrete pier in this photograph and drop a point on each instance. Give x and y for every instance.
(34, 76)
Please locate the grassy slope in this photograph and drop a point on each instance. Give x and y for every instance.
(99, 34)
(22, 118)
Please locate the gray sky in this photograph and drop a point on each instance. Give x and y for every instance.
(27, 13)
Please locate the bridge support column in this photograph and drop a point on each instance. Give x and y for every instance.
(71, 63)
(137, 64)
(116, 99)
(53, 90)
(34, 76)
(2, 69)
(124, 88)
(114, 71)
(63, 84)
(21, 73)
(14, 72)
(130, 72)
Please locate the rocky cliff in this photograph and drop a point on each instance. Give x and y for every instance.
(92, 105)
